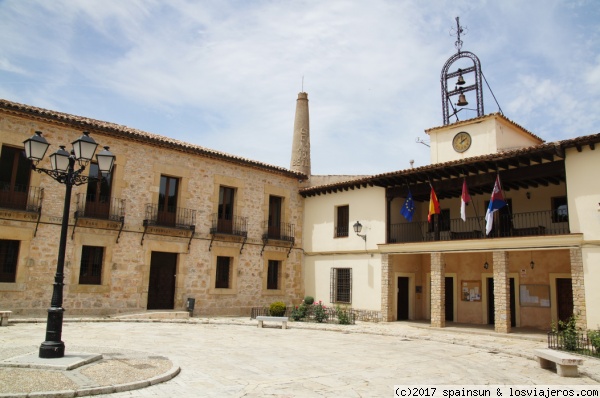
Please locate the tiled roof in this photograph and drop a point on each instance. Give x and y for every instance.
(129, 133)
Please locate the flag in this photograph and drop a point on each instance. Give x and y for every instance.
(496, 202)
(434, 205)
(464, 200)
(408, 208)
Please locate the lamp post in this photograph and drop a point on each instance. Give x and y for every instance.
(63, 171)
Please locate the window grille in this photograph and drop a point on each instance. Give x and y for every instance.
(341, 285)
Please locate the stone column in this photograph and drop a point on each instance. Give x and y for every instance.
(385, 288)
(578, 287)
(438, 291)
(301, 142)
(501, 292)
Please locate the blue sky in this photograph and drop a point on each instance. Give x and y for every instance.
(226, 74)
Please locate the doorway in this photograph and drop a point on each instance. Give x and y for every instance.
(564, 298)
(449, 298)
(513, 304)
(161, 285)
(403, 301)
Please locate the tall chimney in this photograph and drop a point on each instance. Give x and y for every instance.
(301, 143)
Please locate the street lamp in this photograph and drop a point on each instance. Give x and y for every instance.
(63, 171)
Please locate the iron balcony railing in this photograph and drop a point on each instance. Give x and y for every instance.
(229, 225)
(282, 231)
(20, 197)
(102, 208)
(504, 226)
(169, 216)
(341, 231)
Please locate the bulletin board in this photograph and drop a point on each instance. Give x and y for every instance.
(470, 290)
(534, 295)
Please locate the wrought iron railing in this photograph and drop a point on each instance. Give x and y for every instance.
(282, 231)
(166, 216)
(578, 342)
(229, 225)
(504, 225)
(20, 197)
(102, 208)
(341, 231)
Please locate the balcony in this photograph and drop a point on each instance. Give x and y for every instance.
(21, 197)
(172, 217)
(101, 208)
(232, 225)
(505, 226)
(282, 231)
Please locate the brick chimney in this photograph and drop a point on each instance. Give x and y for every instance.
(301, 143)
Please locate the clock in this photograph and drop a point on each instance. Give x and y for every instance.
(461, 141)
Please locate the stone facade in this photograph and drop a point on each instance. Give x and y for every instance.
(141, 160)
(577, 281)
(501, 292)
(438, 291)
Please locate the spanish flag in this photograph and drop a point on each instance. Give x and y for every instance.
(434, 205)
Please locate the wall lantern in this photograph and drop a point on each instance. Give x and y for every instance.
(357, 229)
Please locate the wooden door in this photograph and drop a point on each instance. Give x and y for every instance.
(402, 303)
(449, 298)
(161, 286)
(564, 298)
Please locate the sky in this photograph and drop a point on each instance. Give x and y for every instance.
(225, 75)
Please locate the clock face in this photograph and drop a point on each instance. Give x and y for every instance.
(461, 141)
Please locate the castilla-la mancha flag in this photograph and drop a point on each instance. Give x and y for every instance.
(496, 202)
(464, 200)
(434, 205)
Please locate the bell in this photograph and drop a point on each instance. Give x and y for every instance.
(462, 100)
(461, 80)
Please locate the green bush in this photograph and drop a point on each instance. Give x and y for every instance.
(319, 312)
(569, 331)
(299, 312)
(594, 337)
(308, 300)
(277, 308)
(343, 315)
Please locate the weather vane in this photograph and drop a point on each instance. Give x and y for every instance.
(459, 29)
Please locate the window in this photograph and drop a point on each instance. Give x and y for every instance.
(341, 285)
(98, 194)
(560, 209)
(167, 201)
(443, 220)
(15, 170)
(273, 275)
(9, 255)
(225, 211)
(342, 221)
(223, 272)
(274, 228)
(90, 272)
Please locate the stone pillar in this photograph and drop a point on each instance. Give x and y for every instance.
(301, 142)
(385, 288)
(501, 292)
(578, 287)
(438, 291)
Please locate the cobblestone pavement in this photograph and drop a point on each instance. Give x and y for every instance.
(231, 357)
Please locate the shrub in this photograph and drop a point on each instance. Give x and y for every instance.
(569, 331)
(319, 312)
(594, 337)
(309, 300)
(277, 308)
(299, 312)
(343, 315)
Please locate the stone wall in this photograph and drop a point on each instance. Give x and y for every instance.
(126, 268)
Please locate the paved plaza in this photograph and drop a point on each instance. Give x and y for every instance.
(231, 357)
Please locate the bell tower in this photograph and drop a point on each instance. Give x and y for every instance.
(461, 87)
(301, 142)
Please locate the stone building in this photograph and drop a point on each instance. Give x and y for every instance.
(172, 221)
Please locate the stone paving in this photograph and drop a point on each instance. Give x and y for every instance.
(231, 357)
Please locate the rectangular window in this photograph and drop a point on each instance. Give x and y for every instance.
(275, 205)
(97, 200)
(15, 170)
(9, 255)
(342, 221)
(225, 211)
(560, 209)
(341, 285)
(167, 201)
(223, 272)
(90, 272)
(273, 275)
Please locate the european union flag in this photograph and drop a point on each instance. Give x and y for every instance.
(408, 208)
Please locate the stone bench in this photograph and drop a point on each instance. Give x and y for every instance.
(566, 364)
(282, 319)
(4, 317)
